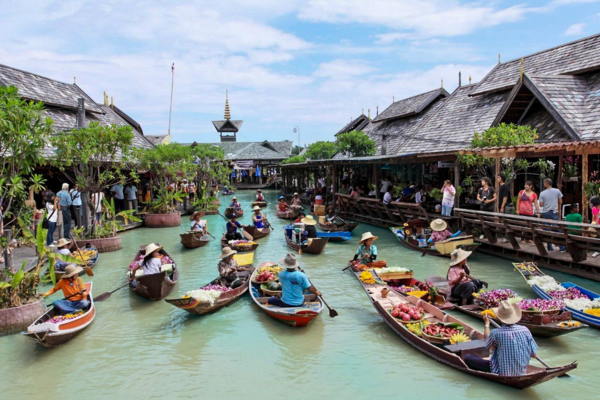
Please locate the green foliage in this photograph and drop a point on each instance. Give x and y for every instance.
(24, 133)
(320, 150)
(436, 194)
(504, 135)
(294, 160)
(297, 150)
(355, 144)
(210, 170)
(110, 224)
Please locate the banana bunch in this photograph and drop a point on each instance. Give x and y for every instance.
(459, 338)
(414, 328)
(274, 269)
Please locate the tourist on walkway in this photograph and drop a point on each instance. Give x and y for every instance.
(76, 199)
(73, 289)
(232, 229)
(228, 268)
(595, 203)
(366, 254)
(385, 185)
(421, 195)
(486, 195)
(505, 202)
(551, 203)
(258, 218)
(462, 284)
(511, 345)
(52, 215)
(526, 202)
(344, 189)
(356, 192)
(131, 197)
(65, 202)
(293, 284)
(192, 191)
(574, 216)
(387, 197)
(117, 192)
(97, 204)
(448, 192)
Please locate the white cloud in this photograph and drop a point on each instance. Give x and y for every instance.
(342, 69)
(575, 30)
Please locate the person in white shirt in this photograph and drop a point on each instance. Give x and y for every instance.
(385, 184)
(387, 197)
(421, 196)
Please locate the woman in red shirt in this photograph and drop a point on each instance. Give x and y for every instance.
(526, 202)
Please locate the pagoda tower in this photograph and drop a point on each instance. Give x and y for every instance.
(228, 128)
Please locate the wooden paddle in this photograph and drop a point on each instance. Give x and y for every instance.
(68, 297)
(536, 357)
(332, 312)
(88, 270)
(106, 295)
(246, 234)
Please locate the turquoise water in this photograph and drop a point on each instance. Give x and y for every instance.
(141, 349)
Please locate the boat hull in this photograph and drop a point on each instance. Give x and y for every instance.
(256, 233)
(155, 287)
(316, 247)
(192, 240)
(261, 204)
(229, 212)
(239, 249)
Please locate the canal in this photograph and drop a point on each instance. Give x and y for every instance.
(141, 349)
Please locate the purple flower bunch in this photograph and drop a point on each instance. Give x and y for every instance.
(540, 304)
(216, 287)
(569, 294)
(405, 289)
(493, 298)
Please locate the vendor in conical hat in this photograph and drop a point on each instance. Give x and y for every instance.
(258, 218)
(197, 224)
(150, 264)
(462, 284)
(228, 268)
(73, 289)
(366, 254)
(440, 230)
(310, 232)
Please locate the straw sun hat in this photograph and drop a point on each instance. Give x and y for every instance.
(226, 252)
(193, 216)
(289, 262)
(309, 220)
(71, 270)
(151, 248)
(508, 313)
(256, 208)
(62, 242)
(438, 225)
(458, 255)
(366, 236)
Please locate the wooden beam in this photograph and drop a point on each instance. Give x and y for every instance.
(456, 183)
(526, 110)
(496, 183)
(560, 168)
(584, 180)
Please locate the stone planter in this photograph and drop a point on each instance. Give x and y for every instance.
(103, 245)
(17, 319)
(162, 220)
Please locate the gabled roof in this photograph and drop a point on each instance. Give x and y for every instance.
(228, 125)
(453, 124)
(570, 58)
(51, 92)
(264, 150)
(357, 124)
(128, 119)
(410, 106)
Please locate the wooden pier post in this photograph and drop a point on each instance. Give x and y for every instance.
(456, 182)
(496, 184)
(584, 180)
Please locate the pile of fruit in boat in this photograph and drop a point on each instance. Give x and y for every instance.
(267, 273)
(85, 254)
(415, 327)
(444, 331)
(367, 277)
(407, 312)
(63, 318)
(489, 312)
(417, 293)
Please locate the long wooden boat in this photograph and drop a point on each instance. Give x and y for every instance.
(257, 233)
(261, 204)
(91, 262)
(452, 355)
(339, 227)
(412, 244)
(193, 240)
(294, 316)
(198, 307)
(238, 248)
(529, 270)
(315, 247)
(155, 286)
(338, 236)
(231, 211)
(224, 193)
(51, 333)
(289, 214)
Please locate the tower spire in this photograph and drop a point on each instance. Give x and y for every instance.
(227, 111)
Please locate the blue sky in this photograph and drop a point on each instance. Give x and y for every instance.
(312, 63)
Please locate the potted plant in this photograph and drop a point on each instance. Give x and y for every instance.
(592, 187)
(570, 168)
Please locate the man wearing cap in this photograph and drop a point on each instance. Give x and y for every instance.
(232, 229)
(512, 346)
(462, 284)
(258, 217)
(293, 284)
(282, 206)
(235, 204)
(73, 289)
(228, 267)
(366, 254)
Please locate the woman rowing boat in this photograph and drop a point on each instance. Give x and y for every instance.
(462, 284)
(366, 254)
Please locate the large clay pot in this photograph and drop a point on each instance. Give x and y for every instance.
(17, 319)
(103, 245)
(162, 220)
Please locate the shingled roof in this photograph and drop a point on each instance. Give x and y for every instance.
(570, 58)
(264, 150)
(357, 124)
(231, 125)
(453, 124)
(411, 105)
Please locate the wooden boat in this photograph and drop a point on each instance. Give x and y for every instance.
(339, 227)
(230, 211)
(529, 270)
(294, 316)
(261, 204)
(289, 214)
(195, 306)
(228, 193)
(238, 248)
(338, 236)
(91, 262)
(53, 334)
(257, 233)
(452, 355)
(316, 246)
(155, 286)
(413, 244)
(192, 240)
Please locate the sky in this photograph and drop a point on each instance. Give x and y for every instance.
(310, 64)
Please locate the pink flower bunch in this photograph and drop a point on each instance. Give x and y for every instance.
(540, 304)
(405, 289)
(569, 294)
(217, 287)
(494, 297)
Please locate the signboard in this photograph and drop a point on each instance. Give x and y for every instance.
(445, 164)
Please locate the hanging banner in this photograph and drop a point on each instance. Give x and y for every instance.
(445, 164)
(244, 164)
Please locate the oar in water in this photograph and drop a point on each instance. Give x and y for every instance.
(88, 270)
(332, 312)
(246, 234)
(536, 357)
(106, 295)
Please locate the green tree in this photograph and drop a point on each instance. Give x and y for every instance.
(320, 150)
(297, 150)
(294, 160)
(211, 169)
(355, 144)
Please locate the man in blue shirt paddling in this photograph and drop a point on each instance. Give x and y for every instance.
(293, 284)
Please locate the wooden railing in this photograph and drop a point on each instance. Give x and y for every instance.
(577, 238)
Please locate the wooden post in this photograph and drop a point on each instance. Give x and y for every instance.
(456, 182)
(497, 184)
(334, 183)
(584, 180)
(560, 173)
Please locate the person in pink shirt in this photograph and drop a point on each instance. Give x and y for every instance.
(462, 284)
(439, 230)
(448, 200)
(595, 203)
